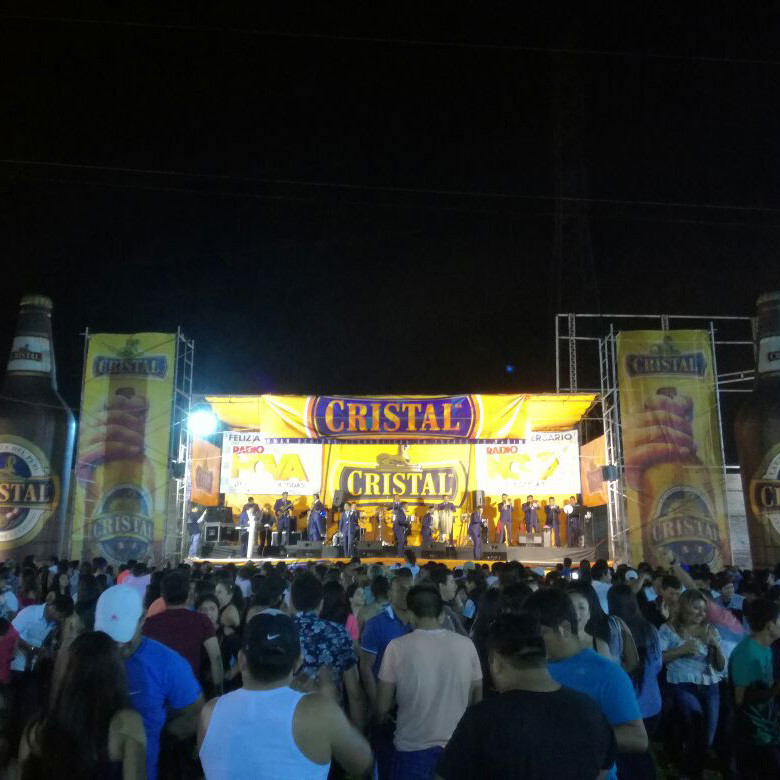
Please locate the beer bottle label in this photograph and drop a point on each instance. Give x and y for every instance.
(30, 355)
(122, 526)
(29, 492)
(769, 355)
(765, 491)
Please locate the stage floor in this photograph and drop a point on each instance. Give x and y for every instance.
(534, 557)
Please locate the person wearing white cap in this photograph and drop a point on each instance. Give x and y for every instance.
(163, 689)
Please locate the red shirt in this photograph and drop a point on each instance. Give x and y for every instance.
(7, 649)
(184, 631)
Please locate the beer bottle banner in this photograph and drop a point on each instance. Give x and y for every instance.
(122, 464)
(674, 482)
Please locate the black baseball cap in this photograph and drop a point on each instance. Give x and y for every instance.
(271, 642)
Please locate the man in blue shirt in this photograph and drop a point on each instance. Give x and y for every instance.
(586, 671)
(162, 687)
(379, 631)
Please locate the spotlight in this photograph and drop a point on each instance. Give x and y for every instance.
(202, 421)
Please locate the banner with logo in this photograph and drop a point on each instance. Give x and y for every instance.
(592, 458)
(546, 464)
(463, 417)
(122, 465)
(675, 492)
(205, 473)
(254, 464)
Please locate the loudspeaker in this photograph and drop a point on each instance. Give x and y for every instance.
(370, 550)
(435, 550)
(177, 469)
(609, 473)
(305, 550)
(452, 552)
(493, 555)
(478, 498)
(338, 499)
(332, 551)
(273, 551)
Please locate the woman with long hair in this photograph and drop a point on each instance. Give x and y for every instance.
(608, 634)
(29, 591)
(90, 731)
(334, 603)
(693, 660)
(356, 599)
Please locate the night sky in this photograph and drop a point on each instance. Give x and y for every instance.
(330, 199)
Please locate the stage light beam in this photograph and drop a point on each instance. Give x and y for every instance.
(202, 421)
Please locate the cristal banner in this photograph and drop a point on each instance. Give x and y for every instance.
(122, 466)
(675, 491)
(455, 417)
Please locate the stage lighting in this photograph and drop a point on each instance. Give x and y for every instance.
(202, 420)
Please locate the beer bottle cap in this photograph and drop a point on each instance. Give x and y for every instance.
(37, 301)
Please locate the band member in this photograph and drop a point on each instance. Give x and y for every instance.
(530, 508)
(573, 528)
(250, 502)
(264, 527)
(426, 527)
(553, 521)
(350, 525)
(196, 519)
(281, 504)
(400, 527)
(247, 519)
(445, 510)
(316, 529)
(283, 510)
(476, 523)
(504, 519)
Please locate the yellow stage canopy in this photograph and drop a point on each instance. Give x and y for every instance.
(465, 417)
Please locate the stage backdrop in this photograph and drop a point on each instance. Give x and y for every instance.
(592, 457)
(422, 474)
(205, 472)
(122, 465)
(675, 492)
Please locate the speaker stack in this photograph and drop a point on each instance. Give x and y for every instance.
(370, 550)
(434, 550)
(305, 550)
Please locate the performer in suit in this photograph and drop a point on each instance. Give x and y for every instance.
(476, 524)
(574, 529)
(264, 526)
(553, 520)
(504, 519)
(350, 523)
(400, 527)
(529, 510)
(426, 528)
(316, 528)
(445, 510)
(282, 508)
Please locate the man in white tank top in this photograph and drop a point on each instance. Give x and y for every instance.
(266, 730)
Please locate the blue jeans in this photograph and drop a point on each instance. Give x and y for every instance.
(415, 764)
(698, 707)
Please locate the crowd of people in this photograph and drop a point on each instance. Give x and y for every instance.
(352, 670)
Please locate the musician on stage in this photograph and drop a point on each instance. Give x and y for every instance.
(264, 527)
(317, 514)
(282, 509)
(573, 528)
(350, 528)
(445, 511)
(476, 523)
(504, 519)
(426, 527)
(400, 526)
(529, 510)
(251, 503)
(552, 512)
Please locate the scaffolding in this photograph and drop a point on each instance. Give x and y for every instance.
(585, 361)
(181, 443)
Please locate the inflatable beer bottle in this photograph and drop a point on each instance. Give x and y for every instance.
(757, 431)
(36, 441)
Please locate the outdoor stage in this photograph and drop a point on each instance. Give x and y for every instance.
(534, 557)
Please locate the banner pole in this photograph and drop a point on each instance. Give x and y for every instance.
(720, 433)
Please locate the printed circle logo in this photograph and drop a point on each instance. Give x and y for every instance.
(685, 525)
(765, 491)
(28, 491)
(122, 525)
